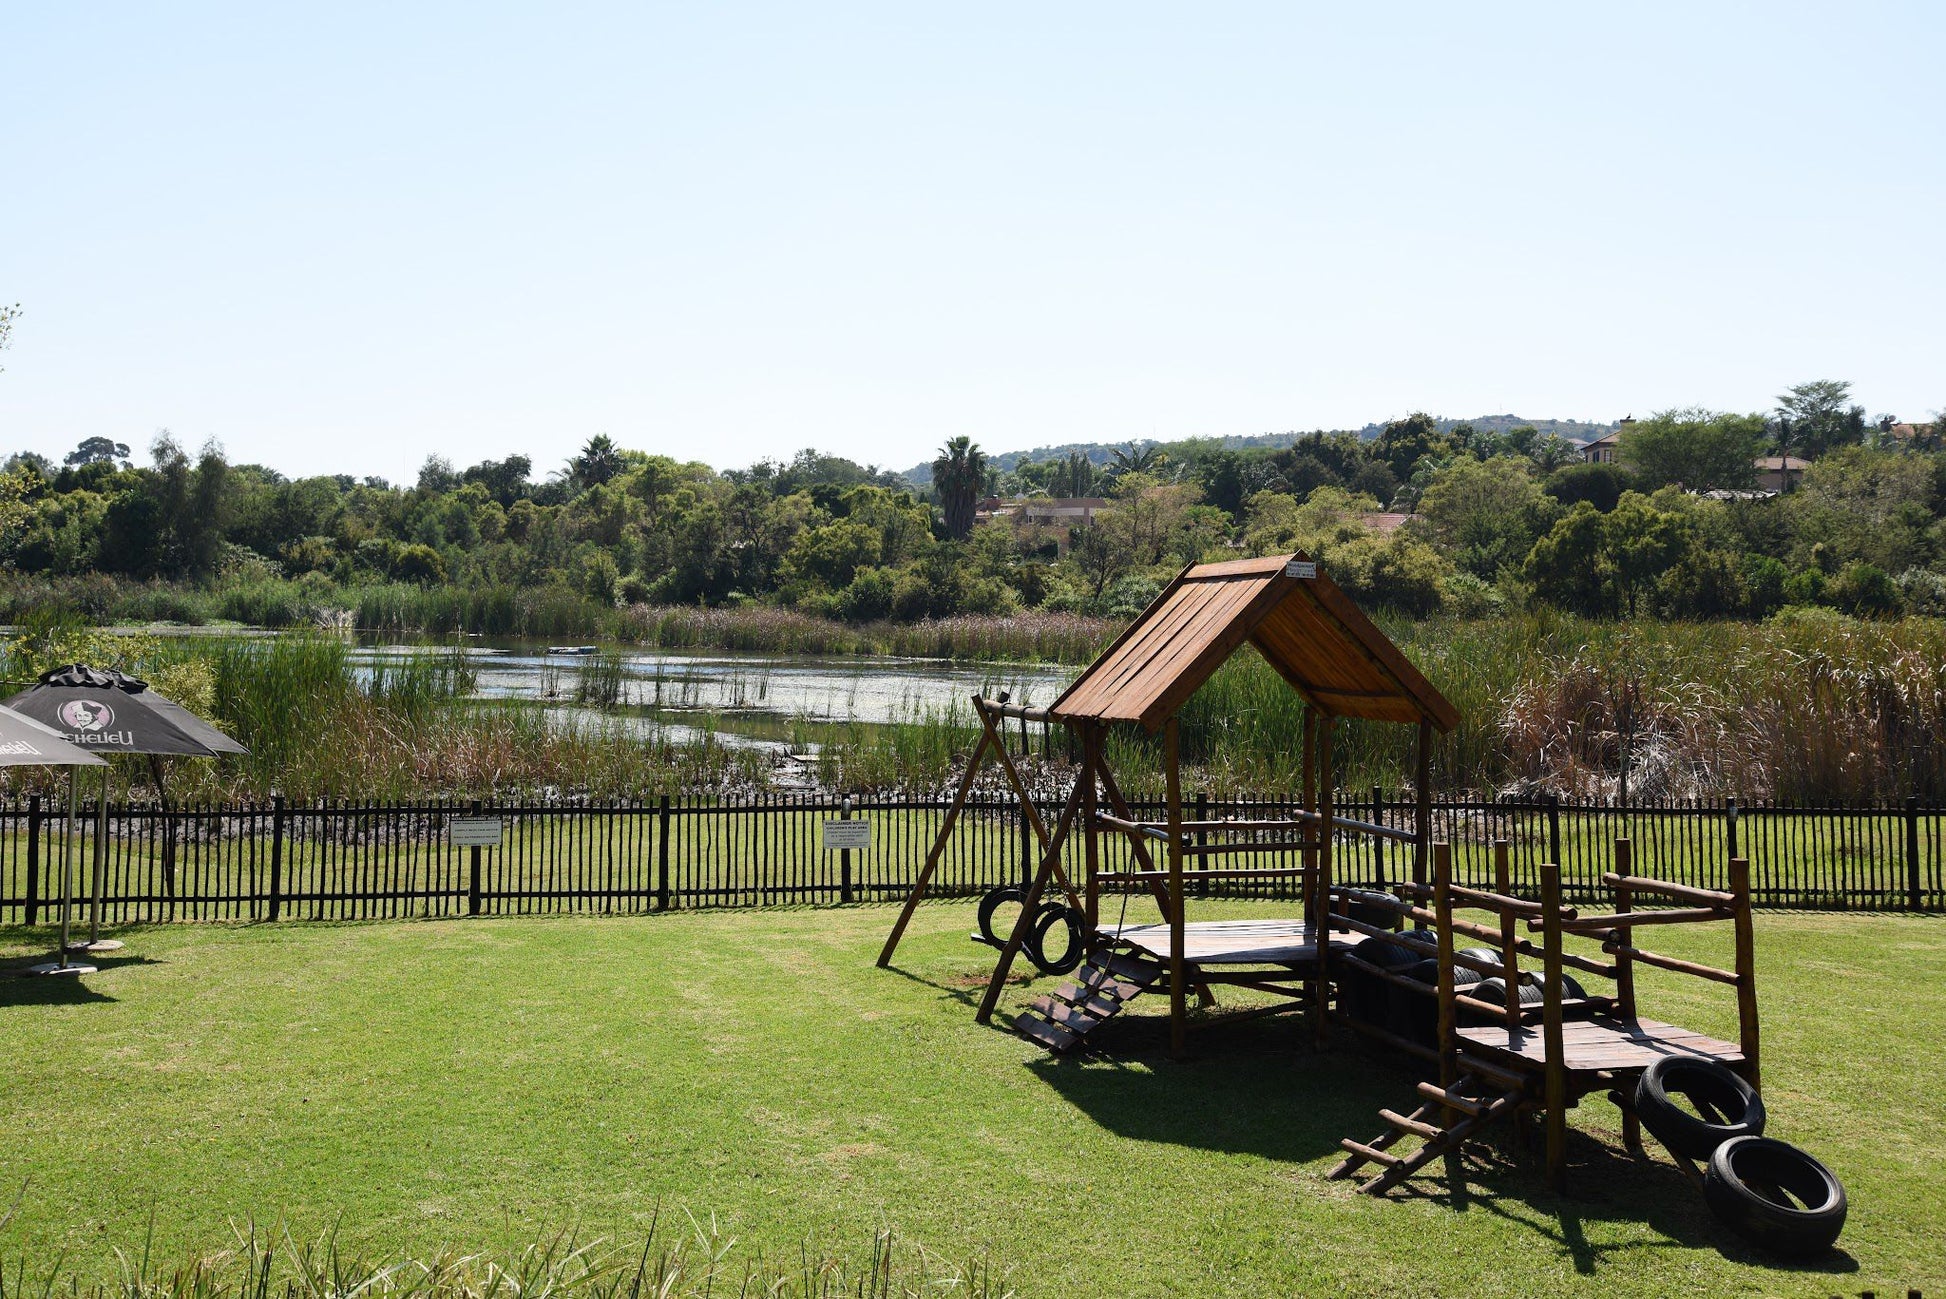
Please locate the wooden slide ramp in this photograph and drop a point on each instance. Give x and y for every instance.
(1107, 981)
(1481, 1094)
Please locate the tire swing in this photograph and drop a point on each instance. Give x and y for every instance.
(1775, 1196)
(990, 904)
(1051, 916)
(1728, 1106)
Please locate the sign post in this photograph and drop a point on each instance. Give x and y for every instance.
(841, 836)
(473, 833)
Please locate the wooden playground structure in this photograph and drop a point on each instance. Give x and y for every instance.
(1537, 1050)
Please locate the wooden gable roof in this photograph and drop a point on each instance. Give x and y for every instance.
(1297, 618)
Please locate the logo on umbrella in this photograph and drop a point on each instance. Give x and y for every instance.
(86, 715)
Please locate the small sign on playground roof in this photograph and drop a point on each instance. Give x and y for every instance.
(839, 835)
(473, 832)
(1301, 568)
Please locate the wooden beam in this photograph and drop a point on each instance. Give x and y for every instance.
(1321, 886)
(1746, 941)
(1421, 801)
(938, 847)
(1178, 972)
(1090, 755)
(1555, 1076)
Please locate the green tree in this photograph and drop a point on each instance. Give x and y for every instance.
(1403, 443)
(1699, 449)
(957, 477)
(1860, 504)
(1813, 418)
(96, 451)
(1486, 514)
(1640, 544)
(599, 461)
(1565, 567)
(1137, 458)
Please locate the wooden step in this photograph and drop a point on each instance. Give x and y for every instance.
(1078, 997)
(1105, 986)
(1125, 966)
(1464, 1104)
(1370, 1153)
(1073, 1018)
(1052, 1036)
(1414, 1126)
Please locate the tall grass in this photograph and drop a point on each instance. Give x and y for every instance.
(690, 1260)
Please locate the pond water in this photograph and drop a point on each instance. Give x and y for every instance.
(762, 700)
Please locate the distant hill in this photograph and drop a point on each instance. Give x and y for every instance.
(1101, 453)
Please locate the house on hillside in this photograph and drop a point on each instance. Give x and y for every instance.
(1780, 473)
(1606, 449)
(1056, 513)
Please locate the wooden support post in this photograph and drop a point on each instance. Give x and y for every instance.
(1050, 864)
(1442, 904)
(1625, 972)
(1321, 888)
(1503, 884)
(1310, 746)
(1090, 755)
(1746, 940)
(1556, 1076)
(1624, 903)
(1119, 806)
(1422, 801)
(1178, 975)
(938, 847)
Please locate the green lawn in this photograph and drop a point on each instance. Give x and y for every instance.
(466, 1082)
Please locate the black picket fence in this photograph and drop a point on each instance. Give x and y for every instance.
(340, 861)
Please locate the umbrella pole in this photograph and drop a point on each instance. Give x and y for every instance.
(61, 965)
(96, 943)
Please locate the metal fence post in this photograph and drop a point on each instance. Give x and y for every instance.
(276, 853)
(33, 858)
(844, 855)
(1554, 828)
(662, 853)
(473, 871)
(1202, 814)
(1915, 896)
(1730, 824)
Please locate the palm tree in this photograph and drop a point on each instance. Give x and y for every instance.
(599, 461)
(1134, 459)
(957, 477)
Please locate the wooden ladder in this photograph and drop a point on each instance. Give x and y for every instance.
(1107, 981)
(1481, 1094)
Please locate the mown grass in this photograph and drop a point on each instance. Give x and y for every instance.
(474, 1085)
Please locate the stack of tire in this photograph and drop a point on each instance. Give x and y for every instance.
(1368, 998)
(1769, 1192)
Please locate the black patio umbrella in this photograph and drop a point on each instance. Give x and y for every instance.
(107, 712)
(24, 742)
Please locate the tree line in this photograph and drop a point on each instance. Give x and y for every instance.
(1494, 519)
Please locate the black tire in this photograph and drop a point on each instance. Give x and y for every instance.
(1046, 920)
(1727, 1107)
(992, 902)
(1481, 954)
(1372, 907)
(1427, 972)
(1494, 991)
(1775, 1196)
(1415, 1016)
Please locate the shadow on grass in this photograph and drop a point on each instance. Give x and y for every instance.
(1263, 1089)
(19, 988)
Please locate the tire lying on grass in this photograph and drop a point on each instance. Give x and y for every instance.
(991, 903)
(1725, 1106)
(1051, 917)
(1775, 1196)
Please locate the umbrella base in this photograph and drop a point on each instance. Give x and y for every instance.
(100, 945)
(55, 967)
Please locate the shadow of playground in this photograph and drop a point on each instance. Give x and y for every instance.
(1262, 1088)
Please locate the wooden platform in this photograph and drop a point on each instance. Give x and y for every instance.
(1600, 1043)
(1234, 942)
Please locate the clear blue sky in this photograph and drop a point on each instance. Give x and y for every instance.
(340, 238)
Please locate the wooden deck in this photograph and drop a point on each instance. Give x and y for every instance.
(1235, 942)
(1601, 1043)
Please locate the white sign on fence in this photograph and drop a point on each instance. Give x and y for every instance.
(1301, 568)
(847, 834)
(473, 832)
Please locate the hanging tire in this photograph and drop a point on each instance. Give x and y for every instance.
(1052, 916)
(1775, 1196)
(1726, 1106)
(992, 902)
